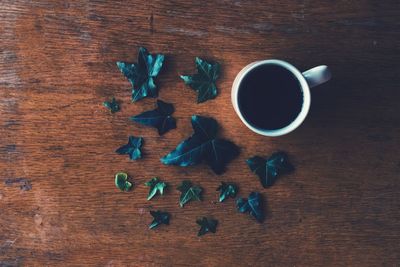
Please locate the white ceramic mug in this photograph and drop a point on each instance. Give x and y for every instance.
(307, 79)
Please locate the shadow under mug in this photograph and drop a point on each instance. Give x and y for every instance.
(307, 80)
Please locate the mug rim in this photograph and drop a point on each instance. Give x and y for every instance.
(304, 87)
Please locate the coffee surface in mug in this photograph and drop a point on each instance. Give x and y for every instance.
(270, 97)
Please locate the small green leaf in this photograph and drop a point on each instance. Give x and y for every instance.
(203, 146)
(207, 225)
(203, 82)
(160, 118)
(155, 186)
(189, 192)
(112, 105)
(252, 205)
(269, 169)
(160, 217)
(226, 190)
(132, 148)
(121, 181)
(141, 75)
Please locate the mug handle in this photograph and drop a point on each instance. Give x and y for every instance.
(317, 75)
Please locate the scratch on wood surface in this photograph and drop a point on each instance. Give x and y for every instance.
(11, 123)
(8, 74)
(193, 33)
(151, 22)
(8, 103)
(96, 17)
(298, 15)
(9, 12)
(8, 148)
(231, 29)
(266, 26)
(12, 262)
(260, 28)
(237, 3)
(7, 244)
(110, 263)
(24, 184)
(38, 219)
(357, 22)
(85, 36)
(141, 211)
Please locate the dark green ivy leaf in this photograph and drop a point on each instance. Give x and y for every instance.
(226, 190)
(203, 82)
(160, 217)
(207, 225)
(132, 148)
(203, 146)
(269, 169)
(189, 192)
(155, 186)
(121, 181)
(112, 105)
(141, 75)
(159, 118)
(253, 205)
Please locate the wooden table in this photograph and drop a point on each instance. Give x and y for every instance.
(58, 201)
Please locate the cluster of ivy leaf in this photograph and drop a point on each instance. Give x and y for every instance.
(203, 146)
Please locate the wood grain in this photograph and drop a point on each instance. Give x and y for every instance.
(58, 202)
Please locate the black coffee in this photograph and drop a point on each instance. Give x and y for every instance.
(270, 97)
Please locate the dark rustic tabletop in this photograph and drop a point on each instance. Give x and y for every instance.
(58, 201)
